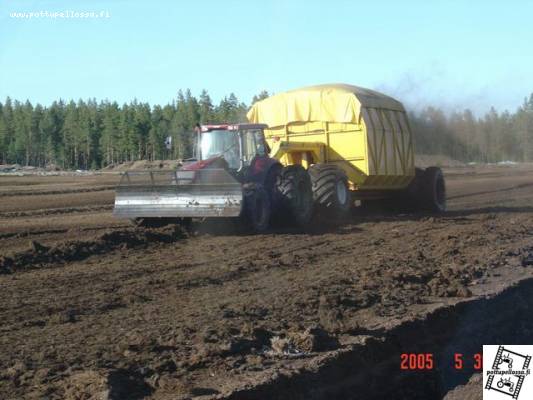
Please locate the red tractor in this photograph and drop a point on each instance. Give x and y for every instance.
(231, 176)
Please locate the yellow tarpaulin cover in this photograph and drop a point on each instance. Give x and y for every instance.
(332, 103)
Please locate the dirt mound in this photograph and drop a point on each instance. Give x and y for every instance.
(55, 211)
(313, 339)
(48, 170)
(39, 255)
(473, 390)
(55, 192)
(143, 165)
(92, 384)
(104, 385)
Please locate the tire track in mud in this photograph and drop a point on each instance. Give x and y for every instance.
(240, 266)
(56, 192)
(33, 233)
(40, 255)
(55, 211)
(507, 189)
(28, 234)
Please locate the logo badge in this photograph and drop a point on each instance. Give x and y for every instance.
(506, 372)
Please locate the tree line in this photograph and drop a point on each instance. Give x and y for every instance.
(496, 136)
(91, 134)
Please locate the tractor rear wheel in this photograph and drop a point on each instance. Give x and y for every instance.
(432, 190)
(257, 208)
(296, 194)
(330, 189)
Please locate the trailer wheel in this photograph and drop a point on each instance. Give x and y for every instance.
(296, 194)
(330, 189)
(257, 206)
(433, 190)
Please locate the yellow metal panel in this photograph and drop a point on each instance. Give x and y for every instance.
(376, 141)
(368, 128)
(347, 149)
(407, 135)
(344, 144)
(390, 149)
(306, 152)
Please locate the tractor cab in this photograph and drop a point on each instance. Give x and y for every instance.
(229, 146)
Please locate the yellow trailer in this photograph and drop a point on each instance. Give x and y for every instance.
(351, 136)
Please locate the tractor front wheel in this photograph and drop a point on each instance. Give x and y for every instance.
(257, 207)
(296, 194)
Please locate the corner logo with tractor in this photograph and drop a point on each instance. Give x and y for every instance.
(508, 376)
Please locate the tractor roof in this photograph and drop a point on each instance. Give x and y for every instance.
(231, 127)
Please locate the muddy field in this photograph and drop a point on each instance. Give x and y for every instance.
(92, 308)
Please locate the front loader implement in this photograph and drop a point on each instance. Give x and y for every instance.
(178, 194)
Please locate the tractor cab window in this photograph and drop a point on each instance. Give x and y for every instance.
(221, 143)
(252, 145)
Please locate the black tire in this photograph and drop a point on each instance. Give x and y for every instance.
(257, 208)
(272, 186)
(330, 189)
(432, 190)
(296, 194)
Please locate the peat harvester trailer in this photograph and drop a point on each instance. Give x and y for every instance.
(355, 144)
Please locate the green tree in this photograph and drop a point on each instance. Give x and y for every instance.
(206, 109)
(110, 133)
(9, 131)
(22, 145)
(36, 136)
(157, 134)
(261, 96)
(142, 124)
(3, 138)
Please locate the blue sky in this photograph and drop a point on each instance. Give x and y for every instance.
(453, 54)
